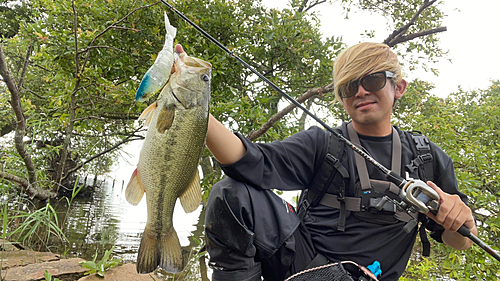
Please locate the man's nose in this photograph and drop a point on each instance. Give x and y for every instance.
(361, 91)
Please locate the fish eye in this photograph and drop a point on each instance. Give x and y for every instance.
(205, 77)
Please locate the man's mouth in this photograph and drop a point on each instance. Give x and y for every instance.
(364, 103)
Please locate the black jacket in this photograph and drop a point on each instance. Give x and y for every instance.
(291, 164)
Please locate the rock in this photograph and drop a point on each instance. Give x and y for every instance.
(15, 258)
(7, 246)
(65, 270)
(19, 264)
(125, 272)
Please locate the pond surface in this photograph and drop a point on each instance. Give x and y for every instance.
(107, 219)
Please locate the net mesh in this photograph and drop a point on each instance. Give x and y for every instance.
(329, 272)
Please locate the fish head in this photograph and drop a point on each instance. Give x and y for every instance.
(191, 80)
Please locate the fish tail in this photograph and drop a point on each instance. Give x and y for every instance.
(147, 257)
(153, 251)
(171, 253)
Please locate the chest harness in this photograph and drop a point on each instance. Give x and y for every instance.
(329, 185)
(368, 204)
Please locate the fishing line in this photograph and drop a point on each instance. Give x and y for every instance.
(390, 175)
(393, 177)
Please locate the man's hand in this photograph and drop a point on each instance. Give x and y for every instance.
(452, 214)
(178, 49)
(222, 143)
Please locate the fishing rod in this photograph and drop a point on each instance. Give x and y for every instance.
(415, 195)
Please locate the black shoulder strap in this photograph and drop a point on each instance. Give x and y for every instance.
(423, 162)
(329, 168)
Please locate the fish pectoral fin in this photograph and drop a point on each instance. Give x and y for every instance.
(165, 118)
(134, 191)
(148, 113)
(191, 198)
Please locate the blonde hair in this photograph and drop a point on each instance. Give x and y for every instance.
(362, 59)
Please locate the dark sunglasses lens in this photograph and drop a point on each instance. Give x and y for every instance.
(350, 90)
(374, 82)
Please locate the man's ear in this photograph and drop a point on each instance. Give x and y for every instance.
(400, 89)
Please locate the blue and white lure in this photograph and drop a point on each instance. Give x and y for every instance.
(158, 74)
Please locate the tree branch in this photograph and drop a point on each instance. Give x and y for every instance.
(95, 47)
(22, 185)
(401, 39)
(25, 65)
(15, 179)
(20, 120)
(71, 107)
(271, 121)
(402, 30)
(75, 35)
(304, 7)
(33, 93)
(127, 139)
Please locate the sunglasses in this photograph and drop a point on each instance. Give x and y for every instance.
(372, 82)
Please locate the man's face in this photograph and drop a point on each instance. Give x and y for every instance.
(373, 110)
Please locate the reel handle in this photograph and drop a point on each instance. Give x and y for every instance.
(426, 200)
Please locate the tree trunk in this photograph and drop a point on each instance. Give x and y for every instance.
(30, 186)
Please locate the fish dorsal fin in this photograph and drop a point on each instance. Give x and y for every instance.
(191, 198)
(148, 113)
(134, 191)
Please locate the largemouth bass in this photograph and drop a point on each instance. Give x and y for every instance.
(157, 75)
(169, 158)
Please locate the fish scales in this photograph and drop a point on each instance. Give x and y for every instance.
(169, 158)
(175, 159)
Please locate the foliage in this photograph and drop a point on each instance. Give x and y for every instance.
(81, 62)
(466, 126)
(48, 277)
(101, 266)
(418, 52)
(36, 227)
(10, 13)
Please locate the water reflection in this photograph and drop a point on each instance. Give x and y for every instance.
(106, 219)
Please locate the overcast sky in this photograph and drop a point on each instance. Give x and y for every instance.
(472, 40)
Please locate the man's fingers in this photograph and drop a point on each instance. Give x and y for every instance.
(453, 213)
(436, 188)
(178, 49)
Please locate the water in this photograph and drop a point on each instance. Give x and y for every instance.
(93, 225)
(104, 220)
(96, 224)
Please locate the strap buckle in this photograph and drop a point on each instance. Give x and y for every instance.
(419, 160)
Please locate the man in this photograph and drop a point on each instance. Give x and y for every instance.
(252, 233)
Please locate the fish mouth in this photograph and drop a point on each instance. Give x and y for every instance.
(181, 87)
(177, 56)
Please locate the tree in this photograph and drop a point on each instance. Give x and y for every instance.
(77, 63)
(465, 125)
(80, 63)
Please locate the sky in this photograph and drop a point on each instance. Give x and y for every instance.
(471, 38)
